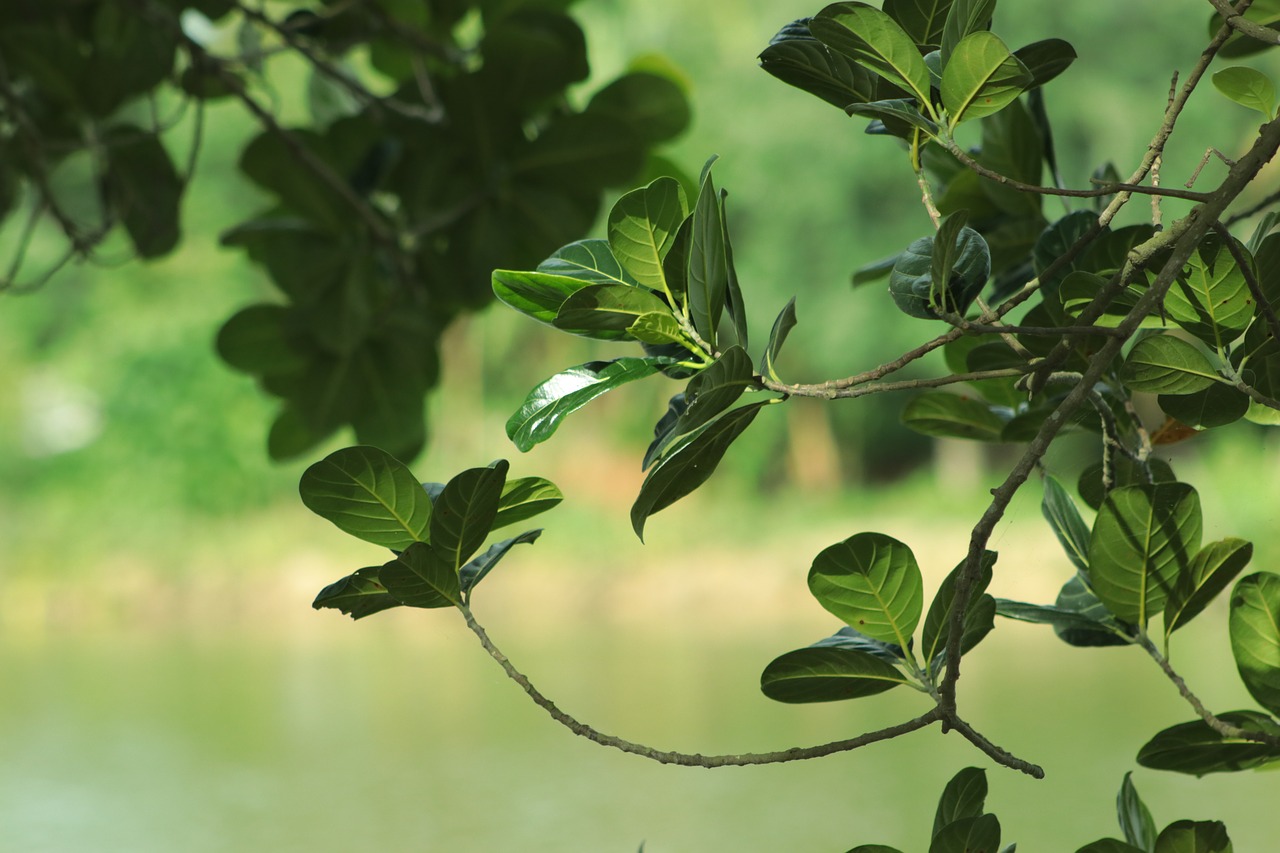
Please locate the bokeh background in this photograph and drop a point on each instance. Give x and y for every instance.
(164, 684)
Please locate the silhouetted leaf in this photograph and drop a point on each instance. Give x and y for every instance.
(358, 595)
(474, 571)
(1197, 749)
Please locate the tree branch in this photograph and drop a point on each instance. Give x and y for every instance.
(1234, 18)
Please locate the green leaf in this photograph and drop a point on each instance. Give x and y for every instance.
(1046, 59)
(142, 186)
(708, 281)
(1135, 818)
(643, 225)
(795, 57)
(1265, 12)
(422, 577)
(1012, 145)
(922, 20)
(465, 511)
(782, 327)
(664, 429)
(1163, 364)
(875, 270)
(1078, 618)
(735, 305)
(368, 493)
(653, 106)
(591, 261)
(606, 311)
(1254, 625)
(689, 463)
(658, 327)
(714, 390)
(525, 497)
(1061, 513)
(981, 77)
(1216, 406)
(257, 340)
(945, 254)
(1214, 567)
(978, 620)
(968, 835)
(827, 674)
(1126, 472)
(1201, 836)
(963, 797)
(1197, 749)
(873, 583)
(536, 294)
(358, 595)
(941, 413)
(900, 109)
(874, 848)
(911, 282)
(876, 41)
(540, 414)
(1248, 87)
(1211, 299)
(848, 638)
(965, 17)
(474, 571)
(1143, 541)
(1111, 845)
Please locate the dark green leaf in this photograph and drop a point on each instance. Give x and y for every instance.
(894, 109)
(965, 17)
(795, 57)
(540, 414)
(963, 797)
(1197, 749)
(475, 570)
(782, 327)
(1215, 406)
(536, 294)
(1012, 146)
(371, 495)
(1135, 818)
(1046, 59)
(1201, 836)
(875, 270)
(982, 77)
(735, 305)
(142, 186)
(465, 513)
(1211, 299)
(847, 638)
(591, 261)
(275, 166)
(606, 311)
(941, 413)
(256, 340)
(876, 41)
(653, 106)
(689, 463)
(1213, 568)
(422, 577)
(873, 583)
(911, 282)
(1073, 626)
(358, 595)
(708, 282)
(1265, 12)
(664, 429)
(1077, 597)
(968, 835)
(1061, 513)
(1163, 364)
(826, 675)
(978, 621)
(1111, 845)
(712, 392)
(1254, 625)
(524, 498)
(1143, 541)
(642, 227)
(1127, 472)
(874, 848)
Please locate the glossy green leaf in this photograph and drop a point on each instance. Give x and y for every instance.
(658, 327)
(1248, 87)
(358, 595)
(1214, 567)
(782, 326)
(1197, 749)
(876, 41)
(941, 413)
(371, 495)
(964, 797)
(1143, 542)
(911, 282)
(795, 57)
(708, 282)
(848, 638)
(1216, 406)
(689, 463)
(827, 674)
(873, 583)
(540, 414)
(1111, 845)
(978, 620)
(715, 390)
(642, 227)
(465, 512)
(922, 20)
(964, 17)
(591, 261)
(1046, 59)
(536, 294)
(968, 835)
(665, 429)
(900, 109)
(1076, 597)
(1163, 364)
(1211, 299)
(475, 570)
(735, 305)
(422, 577)
(606, 311)
(981, 77)
(1061, 513)
(1201, 836)
(1254, 625)
(523, 498)
(1135, 818)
